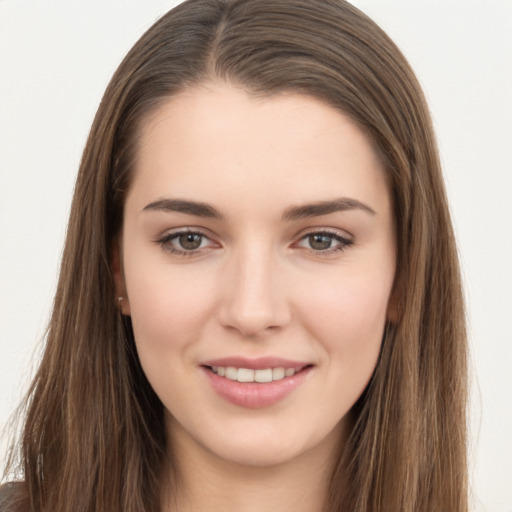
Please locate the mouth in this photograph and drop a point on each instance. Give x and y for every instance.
(262, 376)
(255, 383)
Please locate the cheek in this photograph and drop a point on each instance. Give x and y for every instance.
(349, 316)
(169, 313)
(166, 305)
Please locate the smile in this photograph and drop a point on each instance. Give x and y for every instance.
(249, 375)
(255, 383)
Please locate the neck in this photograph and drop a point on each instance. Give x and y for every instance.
(207, 482)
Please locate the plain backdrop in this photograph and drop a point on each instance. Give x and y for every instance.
(56, 58)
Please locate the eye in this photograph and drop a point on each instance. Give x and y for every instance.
(324, 241)
(185, 242)
(189, 241)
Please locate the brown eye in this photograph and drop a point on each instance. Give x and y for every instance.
(185, 243)
(190, 241)
(324, 242)
(320, 242)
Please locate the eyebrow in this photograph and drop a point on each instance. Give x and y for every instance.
(195, 208)
(341, 204)
(200, 209)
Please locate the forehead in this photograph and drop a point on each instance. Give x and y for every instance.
(217, 140)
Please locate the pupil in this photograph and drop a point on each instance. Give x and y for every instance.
(320, 242)
(190, 241)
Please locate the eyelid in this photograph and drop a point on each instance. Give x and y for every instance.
(342, 237)
(335, 232)
(165, 239)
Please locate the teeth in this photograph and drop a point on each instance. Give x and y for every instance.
(278, 373)
(263, 375)
(248, 375)
(231, 373)
(245, 375)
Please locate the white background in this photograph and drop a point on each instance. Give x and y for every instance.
(56, 58)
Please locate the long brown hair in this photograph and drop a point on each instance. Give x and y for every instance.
(94, 436)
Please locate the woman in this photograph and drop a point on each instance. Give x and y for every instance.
(259, 234)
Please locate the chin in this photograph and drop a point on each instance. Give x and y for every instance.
(264, 444)
(258, 455)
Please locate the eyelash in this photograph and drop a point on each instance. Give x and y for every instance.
(343, 242)
(165, 242)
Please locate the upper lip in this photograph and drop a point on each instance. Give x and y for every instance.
(259, 363)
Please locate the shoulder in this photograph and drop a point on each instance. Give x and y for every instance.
(12, 497)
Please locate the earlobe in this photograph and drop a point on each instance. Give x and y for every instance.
(121, 296)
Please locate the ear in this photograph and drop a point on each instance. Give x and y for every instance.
(121, 297)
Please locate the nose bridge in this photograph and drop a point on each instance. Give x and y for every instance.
(254, 301)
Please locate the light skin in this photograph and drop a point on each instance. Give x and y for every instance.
(288, 252)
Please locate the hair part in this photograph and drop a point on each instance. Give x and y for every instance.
(94, 437)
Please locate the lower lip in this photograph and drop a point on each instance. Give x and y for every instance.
(255, 395)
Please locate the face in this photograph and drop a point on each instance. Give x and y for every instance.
(257, 261)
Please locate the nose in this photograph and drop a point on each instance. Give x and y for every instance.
(254, 298)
